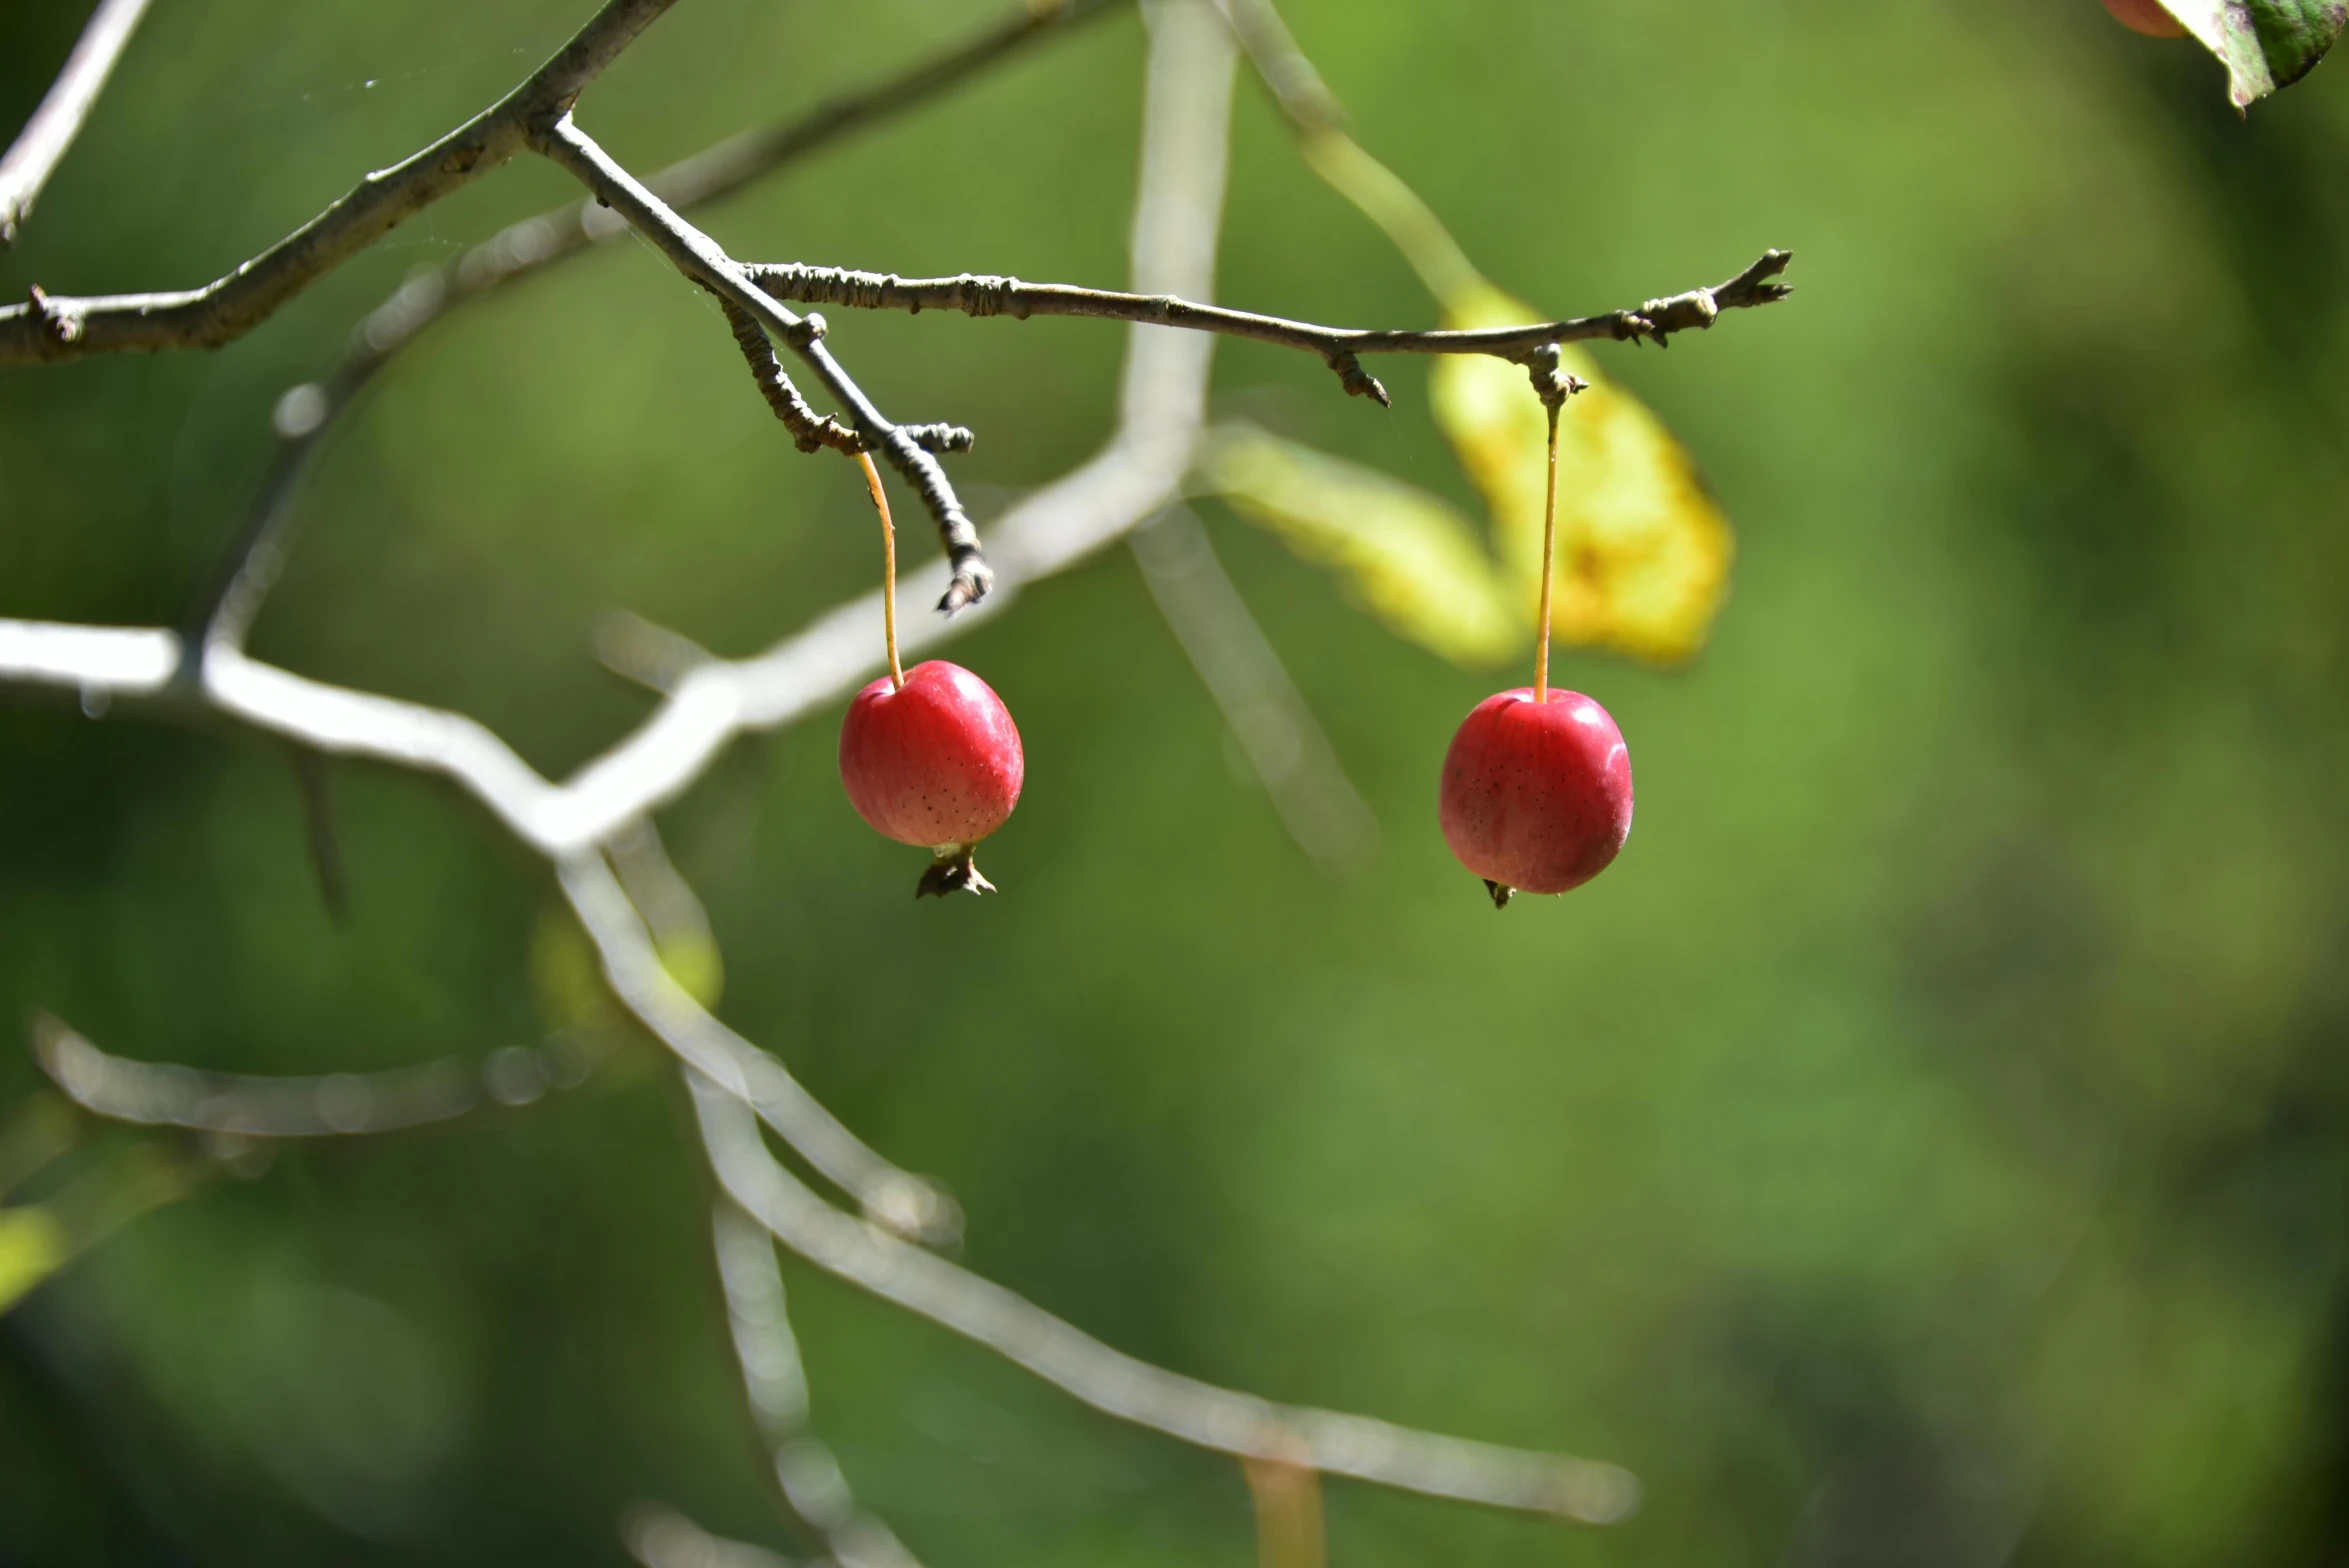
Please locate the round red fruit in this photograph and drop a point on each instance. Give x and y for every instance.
(2149, 17)
(1536, 796)
(935, 762)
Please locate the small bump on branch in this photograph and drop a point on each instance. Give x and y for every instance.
(60, 324)
(940, 438)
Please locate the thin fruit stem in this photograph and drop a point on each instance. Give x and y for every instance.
(1541, 649)
(889, 555)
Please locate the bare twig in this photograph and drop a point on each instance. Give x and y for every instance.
(38, 148)
(161, 1094)
(775, 1382)
(811, 431)
(1269, 717)
(307, 412)
(53, 327)
(981, 295)
(698, 256)
(1119, 1385)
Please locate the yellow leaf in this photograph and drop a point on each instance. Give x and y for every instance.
(1643, 550)
(33, 1246)
(1412, 560)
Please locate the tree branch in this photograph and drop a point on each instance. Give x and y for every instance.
(981, 295)
(307, 412)
(1131, 1390)
(909, 1205)
(811, 431)
(41, 145)
(775, 1382)
(332, 1105)
(57, 327)
(699, 257)
(658, 1536)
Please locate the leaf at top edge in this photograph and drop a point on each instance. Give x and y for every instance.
(1643, 549)
(1412, 560)
(2264, 44)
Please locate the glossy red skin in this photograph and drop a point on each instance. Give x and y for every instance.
(935, 764)
(1537, 798)
(2145, 16)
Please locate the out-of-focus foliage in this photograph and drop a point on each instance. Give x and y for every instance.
(1643, 551)
(32, 1245)
(1929, 1143)
(1412, 559)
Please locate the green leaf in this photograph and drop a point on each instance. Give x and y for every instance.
(2264, 44)
(1413, 561)
(33, 1246)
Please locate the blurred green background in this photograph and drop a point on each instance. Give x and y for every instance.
(1928, 1146)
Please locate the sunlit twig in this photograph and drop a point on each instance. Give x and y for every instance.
(982, 295)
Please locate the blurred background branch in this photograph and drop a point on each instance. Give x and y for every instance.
(774, 1381)
(331, 1105)
(1268, 716)
(42, 144)
(1132, 1390)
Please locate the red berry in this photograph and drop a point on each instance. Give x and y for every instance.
(2146, 16)
(936, 762)
(1536, 796)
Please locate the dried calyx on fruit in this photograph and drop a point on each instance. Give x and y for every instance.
(1536, 792)
(929, 756)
